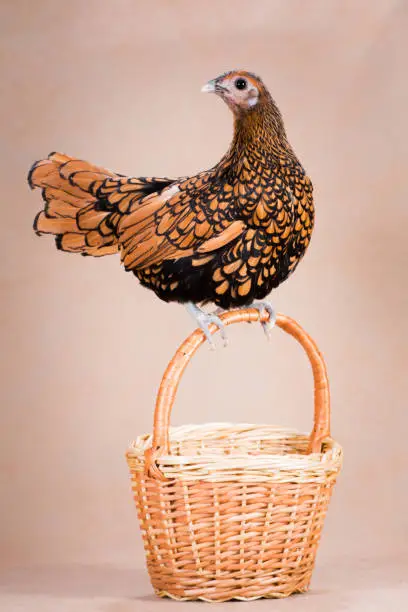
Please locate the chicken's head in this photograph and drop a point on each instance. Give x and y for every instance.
(241, 90)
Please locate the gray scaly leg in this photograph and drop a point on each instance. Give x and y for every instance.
(203, 321)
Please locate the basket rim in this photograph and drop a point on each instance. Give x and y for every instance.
(179, 433)
(329, 460)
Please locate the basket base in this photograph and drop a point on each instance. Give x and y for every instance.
(250, 593)
(220, 599)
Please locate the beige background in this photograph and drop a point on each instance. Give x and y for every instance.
(118, 83)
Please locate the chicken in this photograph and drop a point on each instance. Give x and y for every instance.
(227, 236)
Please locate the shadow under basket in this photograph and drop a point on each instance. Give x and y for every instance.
(233, 511)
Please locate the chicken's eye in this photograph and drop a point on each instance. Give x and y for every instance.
(240, 84)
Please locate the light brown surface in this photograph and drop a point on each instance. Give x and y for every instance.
(370, 587)
(84, 346)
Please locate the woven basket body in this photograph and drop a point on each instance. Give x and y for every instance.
(233, 511)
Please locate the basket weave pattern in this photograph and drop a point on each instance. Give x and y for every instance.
(233, 511)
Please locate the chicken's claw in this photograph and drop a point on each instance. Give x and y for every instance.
(268, 325)
(204, 319)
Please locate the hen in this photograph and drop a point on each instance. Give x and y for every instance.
(228, 235)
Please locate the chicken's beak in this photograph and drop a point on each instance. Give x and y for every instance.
(209, 87)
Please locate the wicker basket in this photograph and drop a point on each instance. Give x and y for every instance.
(233, 511)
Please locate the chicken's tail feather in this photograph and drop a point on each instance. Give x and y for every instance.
(80, 222)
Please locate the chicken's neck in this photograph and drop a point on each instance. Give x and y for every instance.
(261, 133)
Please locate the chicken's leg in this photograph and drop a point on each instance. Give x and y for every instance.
(203, 320)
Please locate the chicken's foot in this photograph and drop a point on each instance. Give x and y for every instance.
(204, 319)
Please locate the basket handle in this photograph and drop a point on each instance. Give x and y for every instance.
(176, 367)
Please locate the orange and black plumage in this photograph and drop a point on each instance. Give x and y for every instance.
(228, 235)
